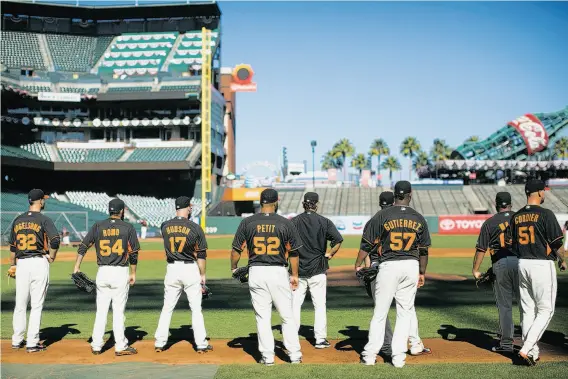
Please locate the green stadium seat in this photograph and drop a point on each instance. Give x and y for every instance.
(16, 152)
(21, 49)
(71, 52)
(129, 89)
(183, 88)
(39, 149)
(166, 154)
(72, 155)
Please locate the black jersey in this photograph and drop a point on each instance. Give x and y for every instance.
(533, 230)
(184, 240)
(269, 239)
(398, 231)
(493, 236)
(115, 242)
(32, 235)
(314, 231)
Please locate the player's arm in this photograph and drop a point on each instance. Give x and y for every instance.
(53, 238)
(335, 238)
(368, 242)
(13, 248)
(424, 243)
(481, 248)
(87, 242)
(133, 249)
(200, 247)
(554, 238)
(293, 244)
(239, 242)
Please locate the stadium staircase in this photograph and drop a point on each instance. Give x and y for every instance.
(473, 200)
(46, 55)
(96, 66)
(172, 52)
(124, 157)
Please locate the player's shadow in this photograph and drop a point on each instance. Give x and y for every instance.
(249, 345)
(53, 334)
(555, 339)
(181, 334)
(355, 341)
(131, 333)
(307, 332)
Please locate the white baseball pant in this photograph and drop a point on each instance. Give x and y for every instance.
(396, 279)
(317, 285)
(271, 285)
(181, 277)
(538, 286)
(506, 285)
(32, 281)
(112, 286)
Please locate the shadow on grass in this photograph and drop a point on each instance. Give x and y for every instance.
(53, 334)
(132, 334)
(249, 345)
(183, 333)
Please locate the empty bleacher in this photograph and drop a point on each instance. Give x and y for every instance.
(290, 201)
(90, 155)
(96, 201)
(188, 52)
(21, 49)
(71, 52)
(16, 152)
(167, 154)
(39, 149)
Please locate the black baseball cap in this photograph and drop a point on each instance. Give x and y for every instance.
(311, 197)
(183, 202)
(503, 199)
(269, 196)
(115, 205)
(402, 187)
(534, 185)
(386, 198)
(36, 194)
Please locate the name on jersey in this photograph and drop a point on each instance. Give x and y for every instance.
(177, 229)
(402, 223)
(527, 217)
(27, 225)
(111, 232)
(265, 228)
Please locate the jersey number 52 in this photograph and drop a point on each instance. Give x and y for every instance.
(264, 245)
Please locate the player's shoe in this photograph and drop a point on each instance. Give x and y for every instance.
(37, 348)
(366, 363)
(424, 351)
(266, 362)
(502, 350)
(96, 352)
(527, 359)
(203, 350)
(159, 349)
(296, 361)
(128, 351)
(19, 346)
(323, 344)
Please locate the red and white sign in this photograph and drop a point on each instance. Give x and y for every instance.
(466, 224)
(533, 132)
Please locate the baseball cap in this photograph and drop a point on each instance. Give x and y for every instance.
(36, 194)
(402, 187)
(386, 198)
(534, 185)
(183, 202)
(502, 199)
(269, 196)
(115, 205)
(311, 197)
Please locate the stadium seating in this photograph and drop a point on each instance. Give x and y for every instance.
(96, 201)
(39, 149)
(129, 89)
(170, 154)
(37, 88)
(16, 152)
(71, 52)
(90, 155)
(21, 49)
(183, 88)
(188, 52)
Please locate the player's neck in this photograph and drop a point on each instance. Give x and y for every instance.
(115, 217)
(35, 208)
(533, 201)
(267, 210)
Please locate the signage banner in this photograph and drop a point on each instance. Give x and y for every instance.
(59, 96)
(349, 224)
(242, 194)
(533, 132)
(458, 224)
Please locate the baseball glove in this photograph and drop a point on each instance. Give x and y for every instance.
(366, 277)
(486, 278)
(242, 274)
(11, 272)
(206, 292)
(83, 282)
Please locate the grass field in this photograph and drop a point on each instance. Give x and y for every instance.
(445, 309)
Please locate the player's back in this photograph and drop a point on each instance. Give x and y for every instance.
(182, 239)
(114, 239)
(31, 234)
(493, 236)
(533, 229)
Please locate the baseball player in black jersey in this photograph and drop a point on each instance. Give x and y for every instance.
(536, 239)
(402, 238)
(186, 251)
(117, 247)
(315, 231)
(386, 200)
(34, 242)
(271, 241)
(492, 239)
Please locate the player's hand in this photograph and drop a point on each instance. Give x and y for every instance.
(358, 268)
(328, 256)
(562, 266)
(233, 270)
(49, 259)
(476, 274)
(132, 279)
(294, 281)
(76, 270)
(203, 280)
(421, 280)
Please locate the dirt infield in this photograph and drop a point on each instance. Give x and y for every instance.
(244, 350)
(148, 255)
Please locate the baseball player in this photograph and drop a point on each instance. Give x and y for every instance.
(117, 246)
(492, 239)
(536, 238)
(186, 251)
(386, 200)
(401, 236)
(314, 231)
(271, 240)
(34, 242)
(566, 236)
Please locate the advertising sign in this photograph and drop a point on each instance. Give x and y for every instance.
(242, 79)
(242, 194)
(533, 132)
(461, 224)
(349, 224)
(59, 96)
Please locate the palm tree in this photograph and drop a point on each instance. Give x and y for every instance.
(472, 139)
(420, 160)
(561, 148)
(391, 164)
(440, 151)
(359, 162)
(408, 148)
(379, 148)
(343, 149)
(328, 161)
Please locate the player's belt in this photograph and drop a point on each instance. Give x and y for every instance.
(33, 256)
(181, 262)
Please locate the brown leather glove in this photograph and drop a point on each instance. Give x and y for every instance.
(11, 272)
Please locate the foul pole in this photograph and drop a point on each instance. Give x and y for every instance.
(205, 121)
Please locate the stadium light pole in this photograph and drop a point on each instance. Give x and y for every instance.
(314, 144)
